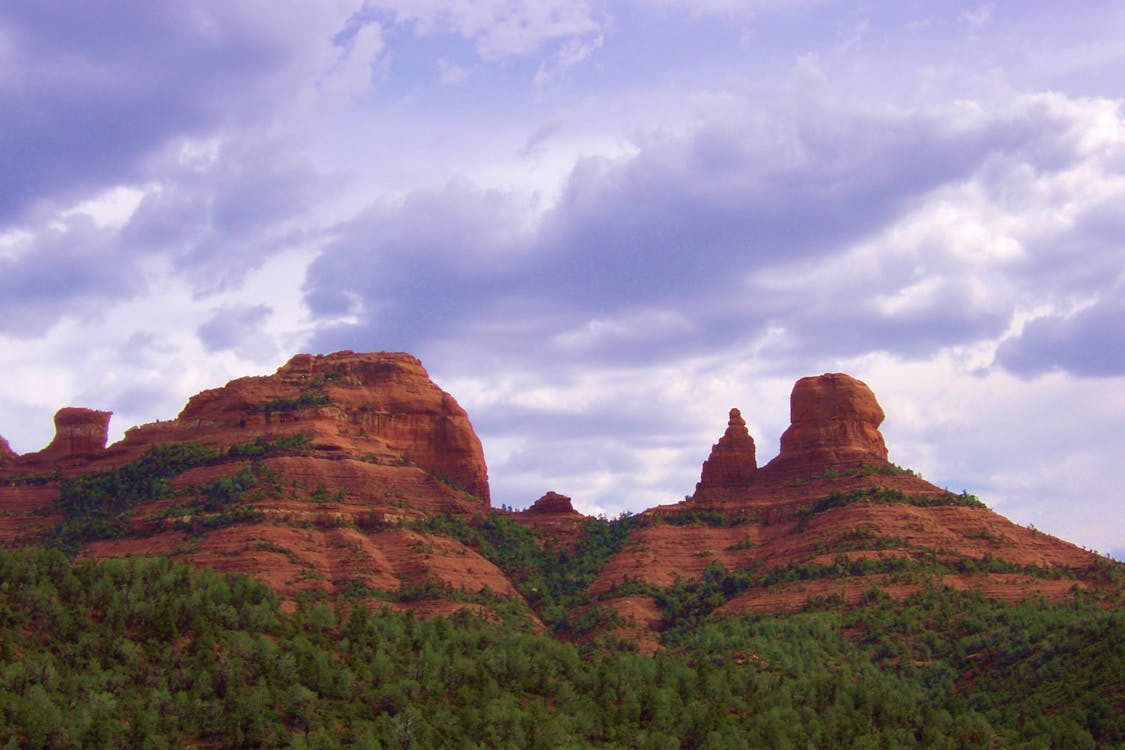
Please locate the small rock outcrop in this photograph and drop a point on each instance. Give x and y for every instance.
(552, 503)
(834, 421)
(79, 433)
(733, 460)
(6, 452)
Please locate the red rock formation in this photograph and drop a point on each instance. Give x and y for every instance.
(733, 461)
(554, 520)
(6, 452)
(834, 422)
(552, 503)
(381, 406)
(79, 433)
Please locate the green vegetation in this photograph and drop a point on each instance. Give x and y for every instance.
(553, 581)
(147, 653)
(307, 399)
(312, 394)
(687, 604)
(691, 517)
(262, 446)
(99, 506)
(880, 496)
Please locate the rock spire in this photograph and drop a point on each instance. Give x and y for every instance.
(733, 461)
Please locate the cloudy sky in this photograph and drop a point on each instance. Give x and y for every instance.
(599, 224)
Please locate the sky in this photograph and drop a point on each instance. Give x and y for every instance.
(600, 225)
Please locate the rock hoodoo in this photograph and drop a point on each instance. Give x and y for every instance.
(834, 421)
(79, 433)
(733, 461)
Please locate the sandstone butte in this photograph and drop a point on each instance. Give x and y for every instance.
(351, 447)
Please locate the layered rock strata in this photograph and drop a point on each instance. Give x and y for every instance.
(382, 407)
(78, 433)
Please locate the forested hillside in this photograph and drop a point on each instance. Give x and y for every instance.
(150, 653)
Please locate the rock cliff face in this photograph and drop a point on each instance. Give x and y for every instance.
(732, 462)
(379, 406)
(834, 422)
(7, 455)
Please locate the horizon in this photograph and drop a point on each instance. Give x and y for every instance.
(600, 225)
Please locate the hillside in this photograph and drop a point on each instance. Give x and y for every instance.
(145, 653)
(355, 475)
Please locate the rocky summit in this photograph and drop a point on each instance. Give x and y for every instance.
(354, 474)
(834, 423)
(732, 462)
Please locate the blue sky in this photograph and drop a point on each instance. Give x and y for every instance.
(599, 224)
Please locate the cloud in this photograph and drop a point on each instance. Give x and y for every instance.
(1089, 342)
(89, 92)
(572, 53)
(498, 28)
(224, 211)
(978, 16)
(238, 329)
(71, 268)
(847, 230)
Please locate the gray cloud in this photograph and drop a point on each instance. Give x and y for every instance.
(652, 258)
(73, 268)
(1088, 343)
(238, 329)
(220, 218)
(92, 90)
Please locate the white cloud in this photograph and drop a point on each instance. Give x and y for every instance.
(978, 16)
(352, 74)
(451, 74)
(498, 28)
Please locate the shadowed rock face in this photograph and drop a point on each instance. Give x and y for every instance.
(834, 421)
(6, 452)
(733, 461)
(552, 503)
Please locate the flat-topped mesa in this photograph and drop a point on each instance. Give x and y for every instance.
(834, 422)
(552, 503)
(733, 460)
(79, 433)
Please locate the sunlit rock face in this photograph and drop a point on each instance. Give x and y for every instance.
(79, 432)
(379, 405)
(733, 460)
(834, 422)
